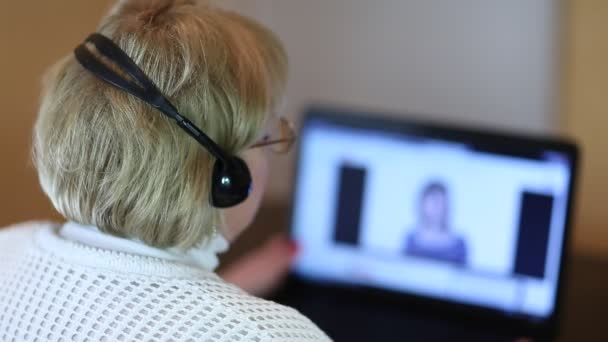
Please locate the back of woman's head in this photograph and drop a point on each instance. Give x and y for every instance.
(107, 159)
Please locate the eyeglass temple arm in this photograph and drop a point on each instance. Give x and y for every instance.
(272, 142)
(144, 89)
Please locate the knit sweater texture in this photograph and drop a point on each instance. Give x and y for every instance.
(55, 289)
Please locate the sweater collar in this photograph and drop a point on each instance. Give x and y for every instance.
(203, 255)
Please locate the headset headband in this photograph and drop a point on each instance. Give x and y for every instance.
(231, 179)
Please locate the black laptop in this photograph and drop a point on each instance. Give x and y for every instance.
(411, 231)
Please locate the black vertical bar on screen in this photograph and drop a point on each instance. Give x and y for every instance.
(533, 239)
(350, 202)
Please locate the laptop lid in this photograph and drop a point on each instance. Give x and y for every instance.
(470, 221)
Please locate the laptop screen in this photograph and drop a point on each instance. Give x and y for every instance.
(450, 219)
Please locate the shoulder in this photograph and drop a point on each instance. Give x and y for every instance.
(271, 321)
(103, 303)
(412, 236)
(23, 228)
(460, 242)
(161, 303)
(411, 240)
(14, 236)
(204, 309)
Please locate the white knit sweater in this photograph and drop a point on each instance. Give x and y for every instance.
(55, 288)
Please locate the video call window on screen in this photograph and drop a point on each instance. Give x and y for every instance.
(438, 218)
(432, 237)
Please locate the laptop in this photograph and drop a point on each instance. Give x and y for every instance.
(414, 231)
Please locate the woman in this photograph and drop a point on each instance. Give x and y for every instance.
(432, 237)
(150, 201)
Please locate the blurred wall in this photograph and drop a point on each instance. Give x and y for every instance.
(32, 36)
(478, 61)
(585, 115)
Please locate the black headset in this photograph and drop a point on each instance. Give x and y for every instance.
(231, 179)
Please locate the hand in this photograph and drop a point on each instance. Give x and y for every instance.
(262, 270)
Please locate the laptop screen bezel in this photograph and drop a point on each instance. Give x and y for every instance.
(501, 142)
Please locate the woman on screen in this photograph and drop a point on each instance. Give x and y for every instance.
(432, 237)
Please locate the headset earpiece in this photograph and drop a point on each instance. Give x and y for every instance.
(230, 183)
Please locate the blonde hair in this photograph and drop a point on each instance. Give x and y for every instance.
(107, 159)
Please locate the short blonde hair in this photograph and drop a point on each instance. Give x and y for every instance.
(107, 159)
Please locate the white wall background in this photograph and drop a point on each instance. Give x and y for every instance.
(480, 62)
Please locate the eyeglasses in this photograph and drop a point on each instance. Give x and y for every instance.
(284, 138)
